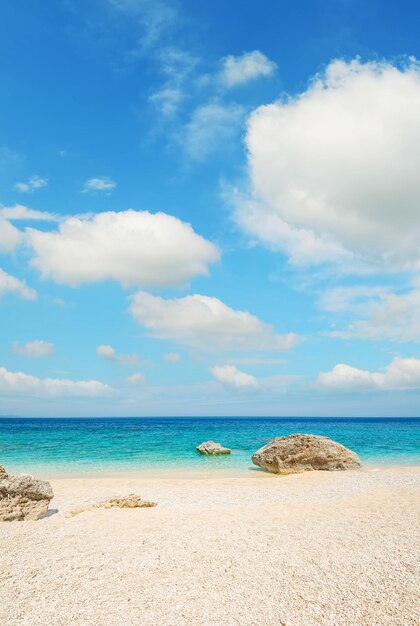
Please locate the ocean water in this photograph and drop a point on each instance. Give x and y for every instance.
(60, 446)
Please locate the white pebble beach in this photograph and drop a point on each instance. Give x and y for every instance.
(242, 548)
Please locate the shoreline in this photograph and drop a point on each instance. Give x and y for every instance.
(187, 471)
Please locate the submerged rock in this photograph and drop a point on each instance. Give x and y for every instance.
(211, 448)
(23, 497)
(300, 453)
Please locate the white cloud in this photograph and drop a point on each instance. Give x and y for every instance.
(167, 100)
(21, 212)
(109, 353)
(35, 349)
(35, 182)
(20, 383)
(136, 379)
(172, 357)
(210, 127)
(11, 284)
(340, 161)
(302, 246)
(132, 247)
(345, 298)
(395, 317)
(247, 67)
(99, 184)
(399, 374)
(177, 66)
(10, 237)
(232, 378)
(206, 323)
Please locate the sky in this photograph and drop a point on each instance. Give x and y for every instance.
(210, 208)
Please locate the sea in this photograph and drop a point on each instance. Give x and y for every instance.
(61, 446)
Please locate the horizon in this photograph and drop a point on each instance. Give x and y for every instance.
(209, 417)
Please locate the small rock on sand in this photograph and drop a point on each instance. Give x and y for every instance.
(132, 501)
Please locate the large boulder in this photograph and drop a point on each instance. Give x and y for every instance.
(300, 453)
(211, 448)
(23, 497)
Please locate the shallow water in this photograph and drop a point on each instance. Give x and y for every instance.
(58, 445)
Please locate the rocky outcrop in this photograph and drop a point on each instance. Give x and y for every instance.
(211, 448)
(300, 453)
(23, 497)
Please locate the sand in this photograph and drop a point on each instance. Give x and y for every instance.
(245, 548)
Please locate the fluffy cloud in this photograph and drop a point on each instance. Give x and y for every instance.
(10, 237)
(132, 247)
(35, 349)
(109, 353)
(99, 184)
(395, 317)
(21, 212)
(242, 69)
(11, 284)
(302, 246)
(232, 378)
(35, 182)
(206, 323)
(20, 383)
(399, 374)
(210, 127)
(340, 162)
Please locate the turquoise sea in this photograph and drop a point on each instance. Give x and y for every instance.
(65, 445)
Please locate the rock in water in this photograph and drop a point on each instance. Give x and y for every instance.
(23, 497)
(300, 453)
(212, 448)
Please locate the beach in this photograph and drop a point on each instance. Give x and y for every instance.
(239, 547)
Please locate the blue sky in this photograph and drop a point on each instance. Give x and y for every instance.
(209, 208)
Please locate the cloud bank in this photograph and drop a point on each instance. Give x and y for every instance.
(20, 383)
(399, 374)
